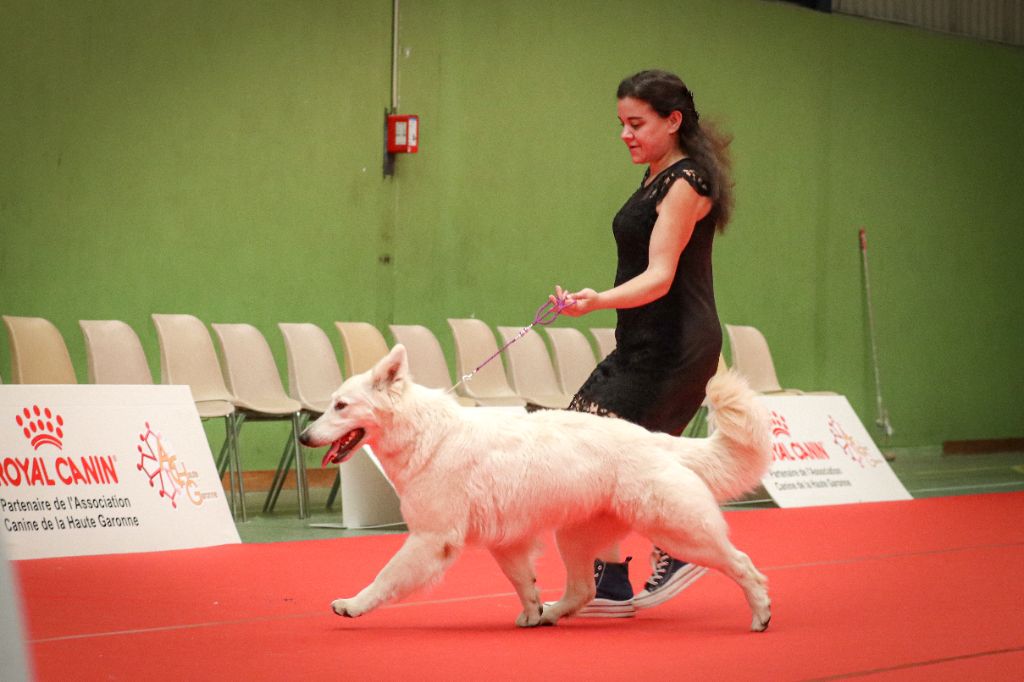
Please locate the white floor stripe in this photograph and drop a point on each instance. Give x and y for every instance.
(259, 619)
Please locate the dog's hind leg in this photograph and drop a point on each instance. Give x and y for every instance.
(516, 562)
(704, 541)
(579, 545)
(738, 566)
(421, 561)
(755, 585)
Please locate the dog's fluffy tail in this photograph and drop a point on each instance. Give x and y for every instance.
(738, 451)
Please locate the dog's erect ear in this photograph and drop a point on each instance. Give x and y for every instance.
(392, 370)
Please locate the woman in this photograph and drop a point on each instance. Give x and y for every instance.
(668, 336)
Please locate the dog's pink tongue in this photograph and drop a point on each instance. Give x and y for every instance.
(331, 454)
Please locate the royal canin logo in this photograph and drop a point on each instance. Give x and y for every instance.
(44, 426)
(41, 426)
(784, 448)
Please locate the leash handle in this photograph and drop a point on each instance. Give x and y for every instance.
(549, 312)
(546, 314)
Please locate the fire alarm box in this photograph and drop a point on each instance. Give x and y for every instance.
(403, 133)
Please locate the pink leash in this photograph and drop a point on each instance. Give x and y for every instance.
(546, 314)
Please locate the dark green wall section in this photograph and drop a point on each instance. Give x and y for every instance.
(224, 159)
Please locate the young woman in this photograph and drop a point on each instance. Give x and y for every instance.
(668, 336)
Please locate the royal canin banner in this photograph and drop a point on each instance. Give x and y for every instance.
(106, 469)
(822, 454)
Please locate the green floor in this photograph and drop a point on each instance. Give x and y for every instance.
(925, 472)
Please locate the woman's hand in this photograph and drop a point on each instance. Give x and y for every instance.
(576, 304)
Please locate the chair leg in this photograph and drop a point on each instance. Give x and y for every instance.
(301, 484)
(335, 487)
(226, 462)
(292, 455)
(220, 464)
(283, 466)
(222, 457)
(235, 422)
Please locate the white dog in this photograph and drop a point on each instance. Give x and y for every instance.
(476, 476)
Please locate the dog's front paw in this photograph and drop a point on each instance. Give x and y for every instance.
(344, 607)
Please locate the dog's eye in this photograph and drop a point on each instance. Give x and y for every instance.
(340, 405)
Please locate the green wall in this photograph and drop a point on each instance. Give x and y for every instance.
(224, 159)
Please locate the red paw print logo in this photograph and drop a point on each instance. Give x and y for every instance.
(41, 426)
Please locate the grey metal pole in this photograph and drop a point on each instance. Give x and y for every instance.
(882, 419)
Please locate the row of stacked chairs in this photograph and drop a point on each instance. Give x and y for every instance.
(243, 384)
(532, 375)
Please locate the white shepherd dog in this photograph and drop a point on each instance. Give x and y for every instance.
(490, 478)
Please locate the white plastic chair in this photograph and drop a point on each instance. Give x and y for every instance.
(187, 356)
(313, 375)
(605, 337)
(38, 352)
(253, 379)
(427, 363)
(531, 372)
(114, 353)
(752, 358)
(574, 357)
(313, 371)
(474, 343)
(363, 346)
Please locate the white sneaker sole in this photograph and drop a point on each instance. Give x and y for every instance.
(679, 581)
(604, 608)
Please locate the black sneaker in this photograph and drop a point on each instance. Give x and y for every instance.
(669, 577)
(614, 592)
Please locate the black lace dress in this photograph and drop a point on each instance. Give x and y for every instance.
(667, 350)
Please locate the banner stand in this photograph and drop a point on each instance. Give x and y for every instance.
(106, 469)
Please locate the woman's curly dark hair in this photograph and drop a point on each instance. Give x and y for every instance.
(701, 141)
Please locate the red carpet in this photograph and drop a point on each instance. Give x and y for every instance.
(924, 589)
